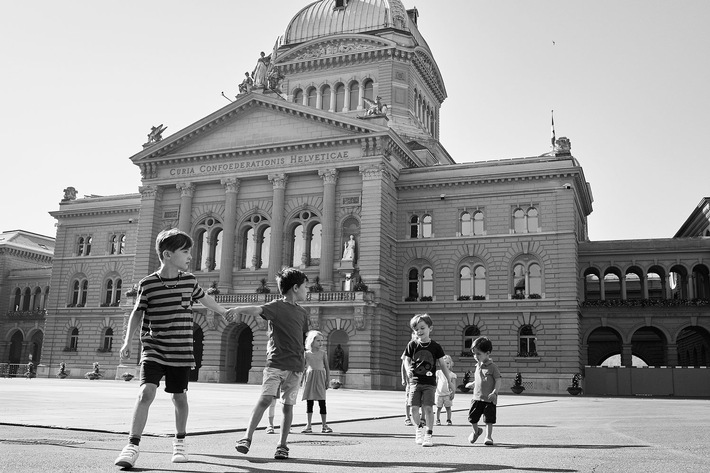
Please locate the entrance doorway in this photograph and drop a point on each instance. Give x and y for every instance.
(198, 348)
(245, 346)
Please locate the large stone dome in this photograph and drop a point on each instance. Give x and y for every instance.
(327, 17)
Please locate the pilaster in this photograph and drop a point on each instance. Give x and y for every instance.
(278, 181)
(330, 178)
(226, 267)
(187, 190)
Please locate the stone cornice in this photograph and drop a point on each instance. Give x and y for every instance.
(429, 181)
(58, 214)
(429, 71)
(26, 254)
(333, 49)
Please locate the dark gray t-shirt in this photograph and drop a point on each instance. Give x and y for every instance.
(424, 357)
(287, 324)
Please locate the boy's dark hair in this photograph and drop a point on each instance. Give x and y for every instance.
(171, 240)
(420, 318)
(483, 344)
(289, 277)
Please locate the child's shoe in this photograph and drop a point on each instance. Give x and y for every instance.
(128, 456)
(408, 422)
(448, 422)
(418, 436)
(488, 441)
(427, 441)
(474, 435)
(270, 429)
(179, 452)
(438, 422)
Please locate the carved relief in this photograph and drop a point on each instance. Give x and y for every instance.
(278, 180)
(330, 176)
(187, 189)
(230, 184)
(149, 192)
(333, 48)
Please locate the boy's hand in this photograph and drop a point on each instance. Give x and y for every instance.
(125, 351)
(469, 385)
(451, 396)
(229, 316)
(492, 397)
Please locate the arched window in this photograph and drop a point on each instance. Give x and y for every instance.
(79, 290)
(592, 288)
(109, 292)
(354, 95)
(532, 221)
(479, 281)
(27, 300)
(339, 97)
(37, 299)
(83, 247)
(112, 295)
(256, 238)
(466, 223)
(113, 244)
(80, 246)
(519, 221)
(465, 282)
(18, 300)
(525, 221)
(306, 240)
(74, 339)
(470, 333)
(298, 246)
(527, 339)
(427, 227)
(478, 223)
(413, 286)
(121, 244)
(107, 344)
(298, 96)
(369, 89)
(208, 238)
(428, 282)
(312, 99)
(414, 226)
(83, 293)
(527, 280)
(325, 98)
(76, 286)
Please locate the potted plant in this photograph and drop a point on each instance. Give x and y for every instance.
(463, 387)
(95, 373)
(335, 384)
(213, 290)
(263, 288)
(127, 376)
(517, 386)
(316, 286)
(132, 292)
(360, 286)
(574, 390)
(426, 299)
(62, 373)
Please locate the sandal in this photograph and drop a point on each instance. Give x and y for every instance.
(270, 429)
(327, 430)
(281, 453)
(243, 445)
(307, 430)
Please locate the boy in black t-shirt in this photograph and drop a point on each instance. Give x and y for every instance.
(420, 359)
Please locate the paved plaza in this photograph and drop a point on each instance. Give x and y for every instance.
(72, 425)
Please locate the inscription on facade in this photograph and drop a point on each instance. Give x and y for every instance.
(265, 163)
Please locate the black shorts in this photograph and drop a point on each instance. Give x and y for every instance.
(478, 408)
(176, 377)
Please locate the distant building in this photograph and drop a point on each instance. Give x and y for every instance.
(337, 135)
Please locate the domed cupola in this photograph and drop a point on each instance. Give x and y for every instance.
(332, 17)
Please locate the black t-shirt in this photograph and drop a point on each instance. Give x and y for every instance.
(424, 356)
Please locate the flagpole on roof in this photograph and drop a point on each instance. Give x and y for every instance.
(552, 138)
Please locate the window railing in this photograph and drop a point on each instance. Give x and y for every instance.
(27, 314)
(326, 296)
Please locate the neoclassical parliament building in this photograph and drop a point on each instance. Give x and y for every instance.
(335, 135)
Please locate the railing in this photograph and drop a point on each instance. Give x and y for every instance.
(12, 370)
(606, 303)
(27, 314)
(254, 298)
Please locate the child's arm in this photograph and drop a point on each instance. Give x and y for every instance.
(133, 322)
(444, 368)
(254, 310)
(493, 396)
(327, 369)
(452, 386)
(407, 364)
(209, 302)
(404, 373)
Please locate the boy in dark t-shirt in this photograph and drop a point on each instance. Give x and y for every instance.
(420, 359)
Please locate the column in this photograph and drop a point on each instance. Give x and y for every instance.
(332, 99)
(671, 354)
(622, 282)
(602, 289)
(330, 178)
(644, 285)
(278, 181)
(626, 355)
(346, 102)
(360, 101)
(149, 223)
(226, 264)
(187, 190)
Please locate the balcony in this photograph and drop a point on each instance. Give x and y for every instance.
(312, 297)
(27, 314)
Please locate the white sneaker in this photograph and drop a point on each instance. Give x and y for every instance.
(128, 456)
(418, 436)
(427, 442)
(488, 441)
(179, 452)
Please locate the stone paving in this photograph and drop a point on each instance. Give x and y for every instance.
(50, 425)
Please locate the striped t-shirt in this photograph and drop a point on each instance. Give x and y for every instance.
(166, 332)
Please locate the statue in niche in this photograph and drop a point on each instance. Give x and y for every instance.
(339, 358)
(349, 250)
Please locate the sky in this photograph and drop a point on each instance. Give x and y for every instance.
(82, 82)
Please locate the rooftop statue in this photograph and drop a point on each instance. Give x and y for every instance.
(246, 85)
(156, 133)
(375, 108)
(259, 72)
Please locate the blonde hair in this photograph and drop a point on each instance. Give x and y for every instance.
(310, 336)
(448, 358)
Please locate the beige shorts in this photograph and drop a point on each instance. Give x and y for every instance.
(443, 401)
(287, 381)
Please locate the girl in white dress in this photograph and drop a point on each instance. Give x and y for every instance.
(315, 380)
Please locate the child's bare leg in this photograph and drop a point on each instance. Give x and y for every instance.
(416, 418)
(146, 395)
(448, 413)
(309, 418)
(323, 421)
(286, 423)
(438, 413)
(429, 415)
(181, 411)
(489, 431)
(261, 405)
(272, 409)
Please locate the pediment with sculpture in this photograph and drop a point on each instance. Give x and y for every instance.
(334, 46)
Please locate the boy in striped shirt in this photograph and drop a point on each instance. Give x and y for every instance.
(164, 311)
